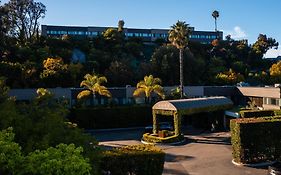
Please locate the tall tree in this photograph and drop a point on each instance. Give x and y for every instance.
(275, 72)
(112, 35)
(55, 73)
(3, 17)
(178, 36)
(264, 43)
(120, 73)
(164, 64)
(93, 85)
(4, 90)
(24, 16)
(215, 15)
(149, 85)
(259, 48)
(4, 27)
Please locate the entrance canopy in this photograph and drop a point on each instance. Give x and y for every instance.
(178, 108)
(193, 105)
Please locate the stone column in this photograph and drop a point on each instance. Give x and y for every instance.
(177, 123)
(155, 125)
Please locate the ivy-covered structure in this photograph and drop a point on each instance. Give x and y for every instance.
(178, 108)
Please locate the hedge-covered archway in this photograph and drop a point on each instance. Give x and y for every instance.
(178, 108)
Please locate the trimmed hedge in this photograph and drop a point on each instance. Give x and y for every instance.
(277, 112)
(135, 159)
(147, 137)
(256, 140)
(112, 117)
(257, 113)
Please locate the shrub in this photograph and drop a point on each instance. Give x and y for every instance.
(277, 112)
(64, 159)
(13, 72)
(135, 159)
(229, 77)
(10, 156)
(256, 140)
(42, 124)
(257, 113)
(112, 117)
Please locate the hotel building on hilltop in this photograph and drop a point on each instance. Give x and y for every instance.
(147, 35)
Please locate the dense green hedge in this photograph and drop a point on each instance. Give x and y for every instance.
(155, 139)
(256, 140)
(132, 116)
(257, 113)
(112, 117)
(135, 159)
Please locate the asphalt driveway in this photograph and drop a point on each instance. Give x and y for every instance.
(204, 153)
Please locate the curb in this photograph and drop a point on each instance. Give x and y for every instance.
(262, 164)
(163, 144)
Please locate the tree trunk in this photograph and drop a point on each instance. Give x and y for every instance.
(93, 99)
(216, 25)
(181, 73)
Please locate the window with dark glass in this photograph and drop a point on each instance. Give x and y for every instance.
(273, 101)
(145, 35)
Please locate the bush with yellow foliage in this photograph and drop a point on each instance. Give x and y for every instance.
(229, 77)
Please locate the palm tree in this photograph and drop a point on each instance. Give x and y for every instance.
(93, 85)
(215, 15)
(178, 36)
(148, 85)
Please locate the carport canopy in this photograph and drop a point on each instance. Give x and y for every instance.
(177, 108)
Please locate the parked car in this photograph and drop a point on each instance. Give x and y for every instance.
(242, 84)
(162, 126)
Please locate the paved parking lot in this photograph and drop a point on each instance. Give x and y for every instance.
(203, 153)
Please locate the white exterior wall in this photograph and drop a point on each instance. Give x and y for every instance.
(29, 94)
(23, 94)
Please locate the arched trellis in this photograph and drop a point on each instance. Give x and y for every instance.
(178, 108)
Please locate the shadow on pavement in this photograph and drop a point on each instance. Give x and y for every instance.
(210, 141)
(117, 135)
(176, 158)
(170, 171)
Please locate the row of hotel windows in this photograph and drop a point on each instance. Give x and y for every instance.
(157, 35)
(204, 36)
(163, 35)
(52, 32)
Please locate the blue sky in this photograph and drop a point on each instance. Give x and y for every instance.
(240, 18)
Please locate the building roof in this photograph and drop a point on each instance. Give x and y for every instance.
(194, 105)
(269, 92)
